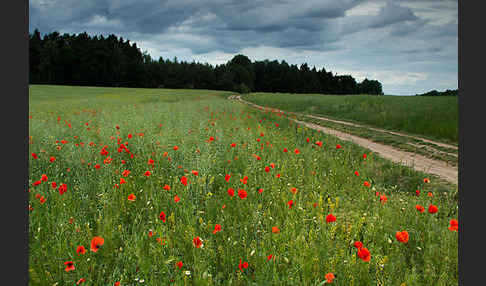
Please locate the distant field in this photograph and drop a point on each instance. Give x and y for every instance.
(185, 187)
(430, 117)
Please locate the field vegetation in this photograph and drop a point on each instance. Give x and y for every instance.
(184, 187)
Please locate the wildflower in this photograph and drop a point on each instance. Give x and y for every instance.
(366, 184)
(433, 209)
(147, 174)
(42, 200)
(244, 180)
(242, 194)
(329, 277)
(231, 192)
(217, 228)
(402, 236)
(269, 257)
(364, 254)
(62, 188)
(166, 187)
(176, 148)
(285, 150)
(122, 181)
(162, 216)
(195, 173)
(420, 208)
(36, 183)
(356, 173)
(296, 151)
(267, 169)
(233, 145)
(453, 225)
(197, 242)
(34, 155)
(319, 143)
(131, 197)
(125, 173)
(338, 146)
(364, 156)
(429, 194)
(96, 243)
(176, 199)
(383, 199)
(184, 180)
(117, 283)
(97, 166)
(426, 180)
(294, 190)
(227, 177)
(358, 244)
(81, 250)
(275, 229)
(52, 159)
(150, 233)
(417, 192)
(272, 165)
(330, 218)
(290, 203)
(179, 264)
(69, 266)
(260, 190)
(243, 265)
(81, 281)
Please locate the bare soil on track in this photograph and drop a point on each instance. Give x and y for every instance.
(413, 160)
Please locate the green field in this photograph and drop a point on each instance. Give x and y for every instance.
(430, 117)
(141, 247)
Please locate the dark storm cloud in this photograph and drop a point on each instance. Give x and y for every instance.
(356, 35)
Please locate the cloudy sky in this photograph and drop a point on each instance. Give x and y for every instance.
(410, 46)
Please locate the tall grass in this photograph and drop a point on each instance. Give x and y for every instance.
(431, 117)
(203, 125)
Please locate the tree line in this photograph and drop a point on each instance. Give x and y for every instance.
(111, 61)
(448, 92)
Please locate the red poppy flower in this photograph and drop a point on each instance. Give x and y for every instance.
(433, 209)
(52, 159)
(290, 203)
(330, 218)
(150, 233)
(231, 192)
(267, 169)
(184, 180)
(356, 173)
(383, 199)
(179, 264)
(42, 200)
(81, 250)
(131, 197)
(166, 187)
(296, 151)
(275, 229)
(97, 166)
(269, 257)
(244, 180)
(420, 208)
(62, 188)
(429, 194)
(260, 190)
(176, 199)
(122, 181)
(453, 225)
(329, 277)
(117, 283)
(417, 192)
(366, 184)
(227, 177)
(69, 266)
(44, 178)
(217, 228)
(195, 173)
(285, 150)
(36, 183)
(162, 216)
(176, 148)
(197, 242)
(147, 174)
(319, 143)
(426, 180)
(278, 176)
(242, 194)
(402, 236)
(54, 185)
(364, 156)
(272, 165)
(233, 144)
(81, 281)
(96, 243)
(358, 244)
(364, 254)
(150, 162)
(243, 265)
(338, 146)
(294, 190)
(125, 173)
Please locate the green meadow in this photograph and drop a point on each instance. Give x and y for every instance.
(427, 116)
(185, 187)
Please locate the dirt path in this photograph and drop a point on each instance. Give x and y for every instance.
(415, 161)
